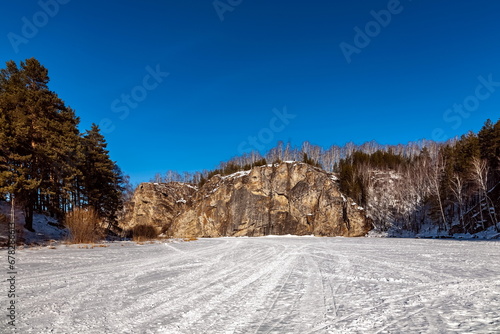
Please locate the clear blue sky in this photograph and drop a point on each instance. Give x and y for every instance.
(226, 76)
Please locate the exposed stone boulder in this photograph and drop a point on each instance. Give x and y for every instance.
(286, 198)
(158, 204)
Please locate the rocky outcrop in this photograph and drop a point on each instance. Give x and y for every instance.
(158, 204)
(287, 198)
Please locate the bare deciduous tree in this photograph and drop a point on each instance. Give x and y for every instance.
(479, 173)
(457, 188)
(435, 175)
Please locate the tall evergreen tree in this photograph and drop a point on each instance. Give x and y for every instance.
(489, 144)
(45, 163)
(102, 178)
(35, 126)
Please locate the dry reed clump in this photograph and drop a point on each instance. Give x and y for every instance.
(84, 226)
(144, 232)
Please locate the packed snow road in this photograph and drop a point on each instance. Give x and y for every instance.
(262, 285)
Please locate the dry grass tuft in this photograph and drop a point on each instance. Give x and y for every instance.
(144, 232)
(84, 226)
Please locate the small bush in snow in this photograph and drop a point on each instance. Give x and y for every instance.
(144, 232)
(84, 225)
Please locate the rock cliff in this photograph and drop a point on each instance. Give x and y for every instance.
(286, 198)
(158, 204)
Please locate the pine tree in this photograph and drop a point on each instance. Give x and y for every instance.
(37, 136)
(496, 146)
(102, 178)
(489, 144)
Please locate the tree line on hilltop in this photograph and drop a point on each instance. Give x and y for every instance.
(454, 185)
(405, 186)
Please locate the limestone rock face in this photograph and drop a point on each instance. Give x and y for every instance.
(286, 198)
(158, 204)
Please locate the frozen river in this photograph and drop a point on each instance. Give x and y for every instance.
(262, 285)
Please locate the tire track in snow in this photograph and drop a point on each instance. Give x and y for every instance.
(392, 306)
(283, 285)
(211, 283)
(271, 273)
(273, 304)
(331, 291)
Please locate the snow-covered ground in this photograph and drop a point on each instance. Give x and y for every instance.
(262, 285)
(47, 228)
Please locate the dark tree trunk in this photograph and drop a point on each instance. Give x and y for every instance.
(28, 212)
